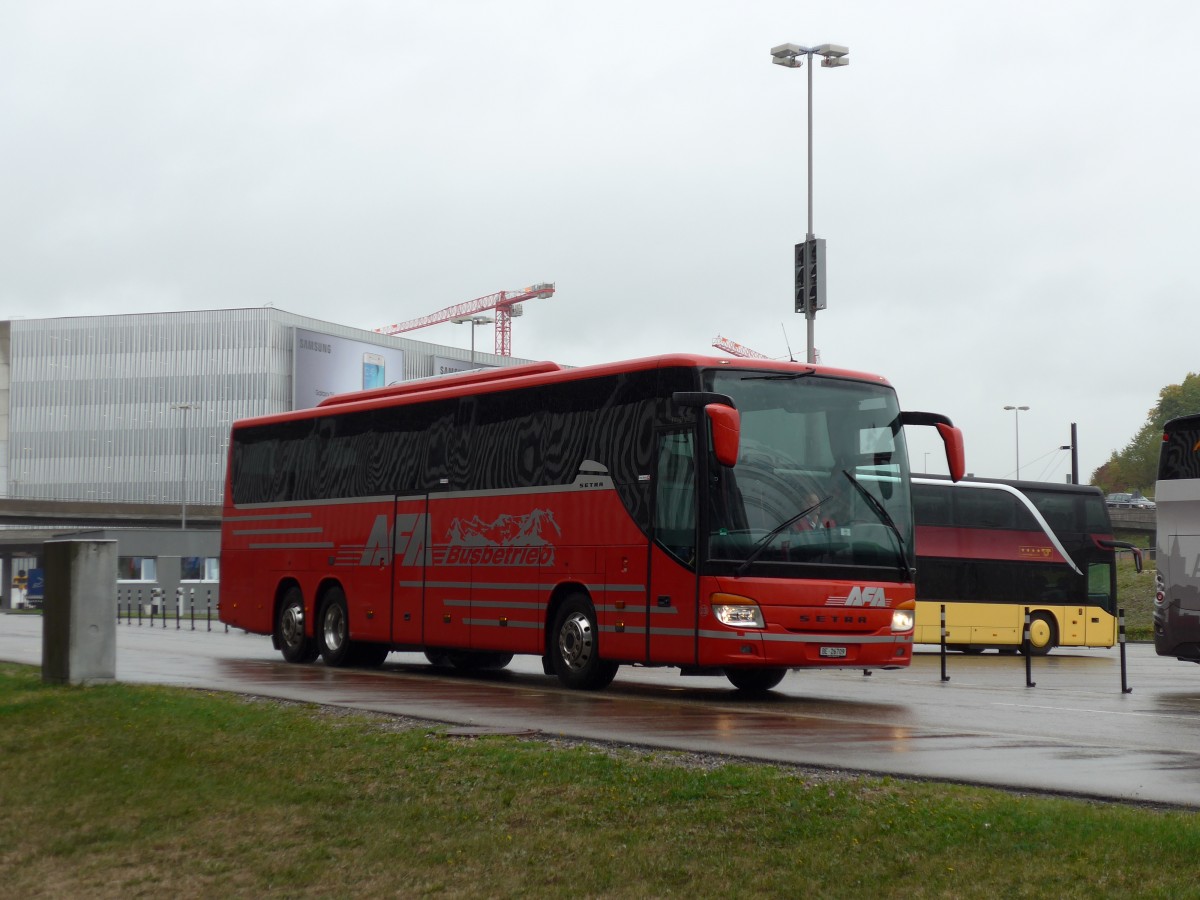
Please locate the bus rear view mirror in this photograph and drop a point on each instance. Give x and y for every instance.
(956, 457)
(726, 432)
(725, 421)
(956, 454)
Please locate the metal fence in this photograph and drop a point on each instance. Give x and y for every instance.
(152, 606)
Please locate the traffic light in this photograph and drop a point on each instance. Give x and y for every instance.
(810, 275)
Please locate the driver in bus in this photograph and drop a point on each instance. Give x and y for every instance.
(813, 520)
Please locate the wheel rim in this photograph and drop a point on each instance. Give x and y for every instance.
(576, 641)
(1039, 633)
(291, 625)
(335, 628)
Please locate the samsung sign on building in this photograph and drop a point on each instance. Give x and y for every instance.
(323, 365)
(445, 366)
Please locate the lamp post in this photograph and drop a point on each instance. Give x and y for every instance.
(474, 322)
(832, 56)
(1016, 411)
(184, 408)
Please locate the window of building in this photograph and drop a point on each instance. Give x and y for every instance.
(136, 568)
(201, 568)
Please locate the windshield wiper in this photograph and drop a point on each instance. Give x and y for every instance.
(788, 376)
(765, 540)
(886, 519)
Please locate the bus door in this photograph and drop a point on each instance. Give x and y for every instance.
(447, 575)
(671, 612)
(409, 543)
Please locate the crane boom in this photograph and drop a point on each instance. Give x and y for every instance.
(505, 303)
(735, 349)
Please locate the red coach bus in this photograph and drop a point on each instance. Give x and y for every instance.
(720, 516)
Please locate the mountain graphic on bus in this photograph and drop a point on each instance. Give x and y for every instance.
(506, 531)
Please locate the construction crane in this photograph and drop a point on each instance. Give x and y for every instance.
(735, 349)
(507, 305)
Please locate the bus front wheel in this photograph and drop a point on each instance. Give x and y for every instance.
(575, 647)
(295, 646)
(1042, 635)
(755, 681)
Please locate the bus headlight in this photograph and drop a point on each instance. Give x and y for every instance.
(737, 612)
(903, 620)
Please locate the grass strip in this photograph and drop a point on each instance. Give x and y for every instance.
(124, 791)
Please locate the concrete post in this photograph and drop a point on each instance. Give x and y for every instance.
(79, 617)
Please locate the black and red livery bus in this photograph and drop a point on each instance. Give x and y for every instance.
(990, 549)
(645, 512)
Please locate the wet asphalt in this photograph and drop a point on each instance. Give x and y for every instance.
(1075, 732)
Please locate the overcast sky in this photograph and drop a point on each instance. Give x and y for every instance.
(1008, 191)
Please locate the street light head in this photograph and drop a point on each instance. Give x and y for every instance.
(831, 51)
(790, 62)
(788, 51)
(833, 62)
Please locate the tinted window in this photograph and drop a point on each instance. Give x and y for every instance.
(1180, 454)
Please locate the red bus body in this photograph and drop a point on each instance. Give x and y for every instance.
(491, 526)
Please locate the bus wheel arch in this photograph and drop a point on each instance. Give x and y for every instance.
(291, 633)
(1043, 634)
(574, 644)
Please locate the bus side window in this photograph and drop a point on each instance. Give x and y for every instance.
(931, 505)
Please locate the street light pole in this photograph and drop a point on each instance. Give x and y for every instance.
(1074, 448)
(184, 408)
(1016, 411)
(474, 322)
(832, 56)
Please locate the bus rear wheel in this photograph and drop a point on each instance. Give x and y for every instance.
(755, 681)
(1042, 635)
(334, 630)
(575, 647)
(295, 646)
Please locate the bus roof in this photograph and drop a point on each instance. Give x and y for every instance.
(486, 381)
(1059, 486)
(1187, 421)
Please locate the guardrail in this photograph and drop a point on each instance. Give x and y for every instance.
(1133, 519)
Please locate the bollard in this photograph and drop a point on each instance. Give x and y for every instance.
(1029, 682)
(208, 618)
(178, 605)
(945, 677)
(1125, 688)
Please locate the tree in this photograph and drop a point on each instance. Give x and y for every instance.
(1136, 467)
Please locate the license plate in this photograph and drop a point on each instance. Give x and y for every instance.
(834, 652)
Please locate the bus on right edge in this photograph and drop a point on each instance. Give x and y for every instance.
(1177, 546)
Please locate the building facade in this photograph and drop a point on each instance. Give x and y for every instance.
(137, 408)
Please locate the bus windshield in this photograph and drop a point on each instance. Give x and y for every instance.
(821, 477)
